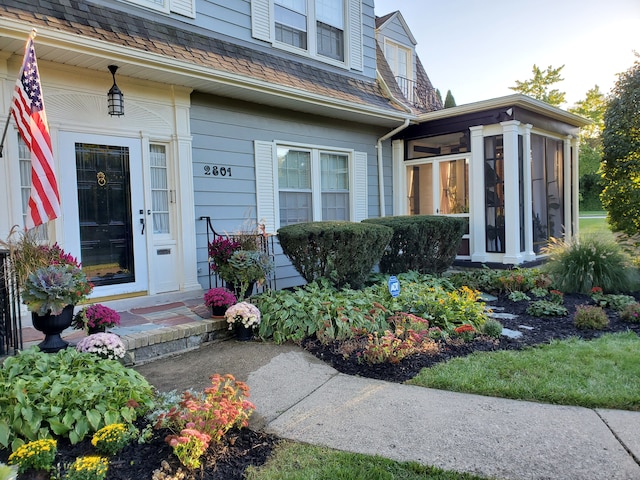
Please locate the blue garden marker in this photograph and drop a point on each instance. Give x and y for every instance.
(394, 286)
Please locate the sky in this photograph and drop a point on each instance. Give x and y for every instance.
(478, 49)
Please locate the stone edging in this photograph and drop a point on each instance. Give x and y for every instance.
(143, 347)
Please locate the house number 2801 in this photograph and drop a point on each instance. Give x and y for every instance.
(217, 171)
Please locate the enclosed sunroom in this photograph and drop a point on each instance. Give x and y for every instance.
(509, 166)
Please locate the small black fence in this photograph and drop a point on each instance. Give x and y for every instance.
(264, 242)
(10, 321)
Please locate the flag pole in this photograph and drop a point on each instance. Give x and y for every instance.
(32, 35)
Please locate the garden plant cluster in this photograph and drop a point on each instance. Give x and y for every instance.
(71, 396)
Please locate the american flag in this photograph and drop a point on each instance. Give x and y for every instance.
(27, 108)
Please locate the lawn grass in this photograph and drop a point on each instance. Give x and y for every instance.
(600, 373)
(592, 225)
(295, 461)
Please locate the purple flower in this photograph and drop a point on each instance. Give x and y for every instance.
(105, 345)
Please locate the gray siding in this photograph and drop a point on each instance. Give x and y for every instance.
(231, 19)
(223, 134)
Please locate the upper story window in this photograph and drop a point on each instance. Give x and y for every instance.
(330, 30)
(291, 22)
(181, 7)
(295, 19)
(399, 59)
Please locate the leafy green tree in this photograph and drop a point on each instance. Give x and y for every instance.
(449, 101)
(538, 86)
(592, 108)
(621, 153)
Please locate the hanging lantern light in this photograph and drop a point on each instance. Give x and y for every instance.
(115, 98)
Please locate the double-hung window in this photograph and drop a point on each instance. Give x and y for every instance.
(330, 30)
(313, 185)
(305, 183)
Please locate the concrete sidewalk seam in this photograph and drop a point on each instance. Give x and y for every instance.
(623, 444)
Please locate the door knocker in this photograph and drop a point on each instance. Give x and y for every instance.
(102, 179)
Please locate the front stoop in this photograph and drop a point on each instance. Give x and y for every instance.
(143, 347)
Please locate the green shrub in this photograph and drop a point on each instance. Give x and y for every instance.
(66, 394)
(545, 308)
(590, 317)
(517, 296)
(492, 328)
(579, 265)
(343, 252)
(424, 243)
(631, 313)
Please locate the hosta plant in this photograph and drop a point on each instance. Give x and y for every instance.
(66, 394)
(545, 308)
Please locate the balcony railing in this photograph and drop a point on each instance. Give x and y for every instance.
(419, 95)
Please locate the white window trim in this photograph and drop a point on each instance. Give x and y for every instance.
(263, 28)
(411, 73)
(186, 8)
(268, 191)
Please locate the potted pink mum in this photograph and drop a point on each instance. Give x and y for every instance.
(218, 300)
(96, 318)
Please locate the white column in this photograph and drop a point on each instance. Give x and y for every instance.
(575, 180)
(512, 253)
(477, 220)
(399, 179)
(566, 182)
(529, 254)
(184, 185)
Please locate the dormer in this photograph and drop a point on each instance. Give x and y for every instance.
(398, 46)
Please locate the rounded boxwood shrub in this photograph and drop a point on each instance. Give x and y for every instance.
(342, 252)
(423, 243)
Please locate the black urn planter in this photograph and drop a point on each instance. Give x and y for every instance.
(52, 326)
(238, 293)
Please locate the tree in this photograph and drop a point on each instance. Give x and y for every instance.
(592, 108)
(538, 86)
(621, 153)
(439, 95)
(449, 101)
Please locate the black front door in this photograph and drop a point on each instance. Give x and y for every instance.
(104, 205)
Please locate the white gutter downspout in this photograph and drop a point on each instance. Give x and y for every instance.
(383, 138)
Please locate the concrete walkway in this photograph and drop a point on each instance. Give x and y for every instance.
(300, 398)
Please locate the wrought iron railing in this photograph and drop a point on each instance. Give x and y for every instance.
(10, 321)
(418, 94)
(264, 243)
